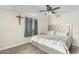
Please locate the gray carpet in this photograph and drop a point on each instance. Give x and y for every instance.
(74, 50)
(30, 49)
(23, 49)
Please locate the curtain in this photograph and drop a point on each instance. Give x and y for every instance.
(31, 27)
(28, 27)
(35, 27)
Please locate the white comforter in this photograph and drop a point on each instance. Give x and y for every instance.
(59, 43)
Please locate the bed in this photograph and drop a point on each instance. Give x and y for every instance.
(57, 41)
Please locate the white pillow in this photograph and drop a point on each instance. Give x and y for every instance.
(51, 32)
(61, 33)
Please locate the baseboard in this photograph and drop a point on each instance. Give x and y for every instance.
(77, 45)
(15, 45)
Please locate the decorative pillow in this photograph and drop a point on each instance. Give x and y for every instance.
(51, 32)
(61, 33)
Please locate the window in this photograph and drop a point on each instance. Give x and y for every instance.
(31, 27)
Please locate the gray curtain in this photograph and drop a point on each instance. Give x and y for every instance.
(36, 27)
(31, 27)
(28, 27)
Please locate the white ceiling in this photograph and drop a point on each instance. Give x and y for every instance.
(35, 8)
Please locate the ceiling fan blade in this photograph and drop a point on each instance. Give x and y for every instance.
(43, 10)
(53, 12)
(56, 8)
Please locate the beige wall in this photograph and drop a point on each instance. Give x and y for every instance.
(11, 34)
(43, 24)
(69, 18)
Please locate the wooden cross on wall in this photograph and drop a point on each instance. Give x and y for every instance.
(19, 16)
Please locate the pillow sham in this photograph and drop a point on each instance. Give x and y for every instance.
(61, 33)
(51, 32)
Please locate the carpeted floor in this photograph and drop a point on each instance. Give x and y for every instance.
(74, 50)
(30, 49)
(23, 49)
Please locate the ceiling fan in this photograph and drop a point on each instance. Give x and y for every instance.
(50, 9)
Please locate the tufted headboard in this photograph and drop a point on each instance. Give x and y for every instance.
(62, 28)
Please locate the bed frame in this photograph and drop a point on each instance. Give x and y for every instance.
(60, 27)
